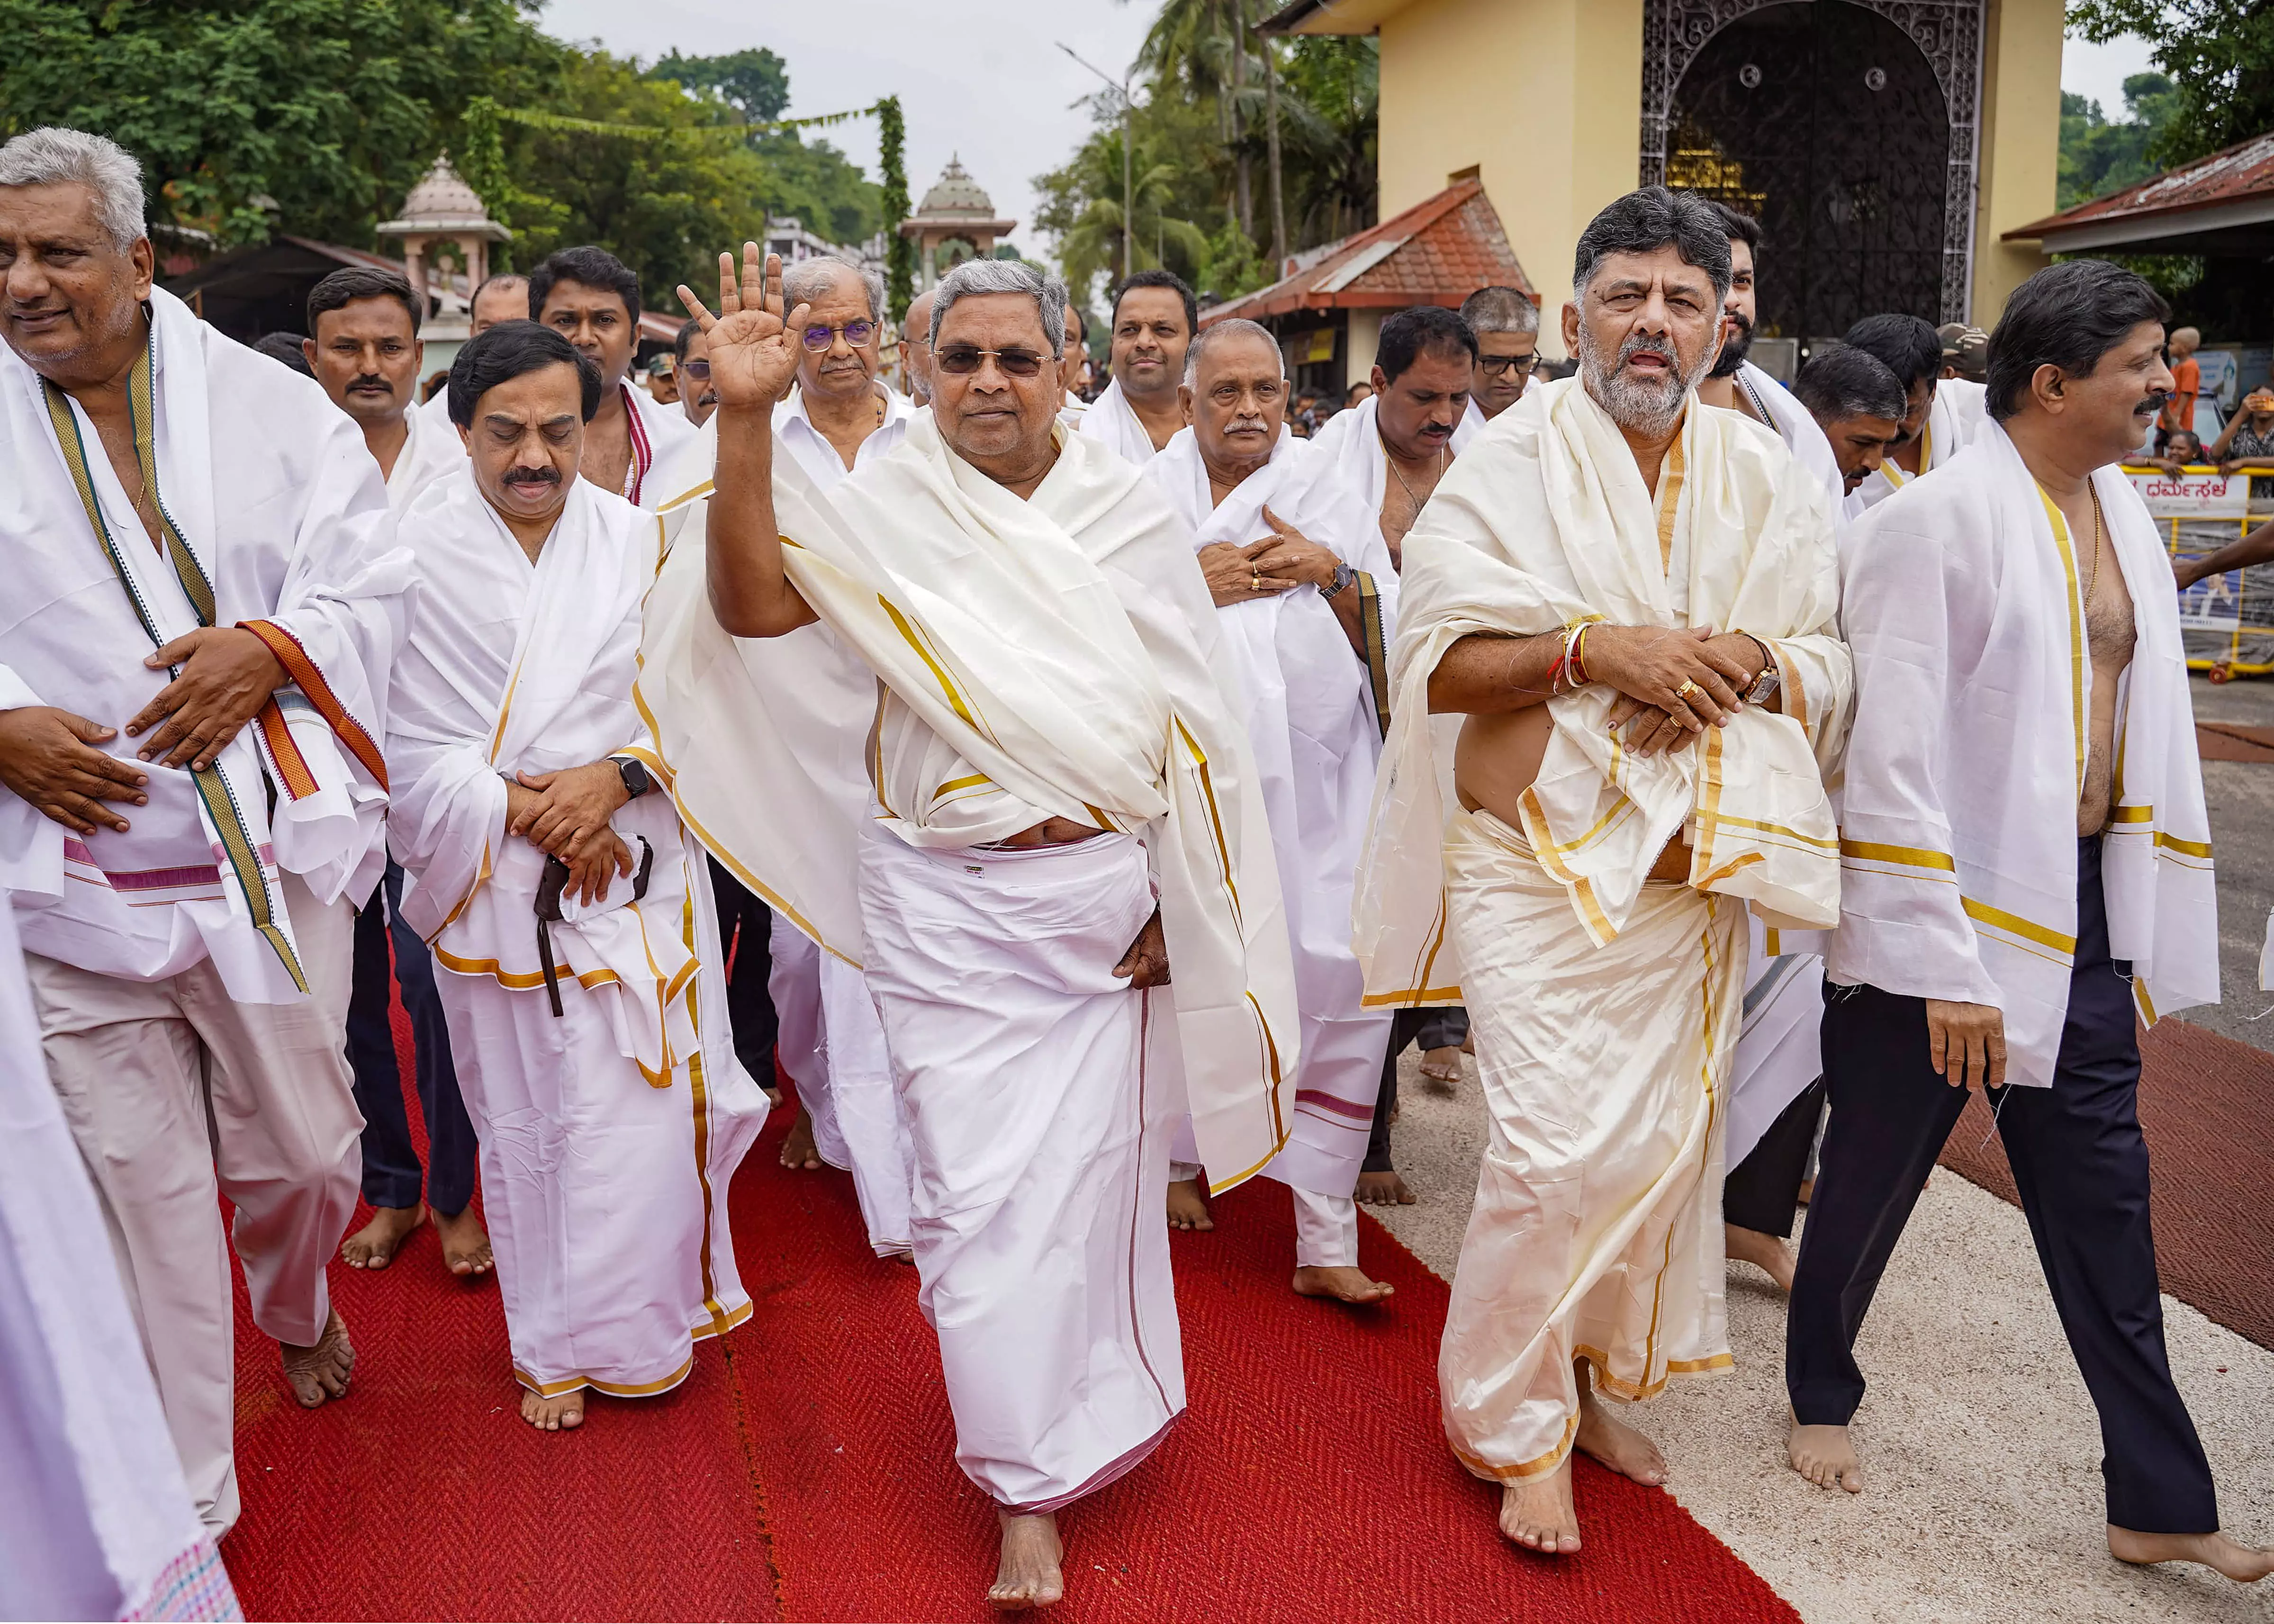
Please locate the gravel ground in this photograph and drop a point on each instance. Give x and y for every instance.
(1982, 1455)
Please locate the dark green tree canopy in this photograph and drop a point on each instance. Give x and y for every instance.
(2219, 55)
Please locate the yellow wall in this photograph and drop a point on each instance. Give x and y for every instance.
(1543, 96)
(2020, 145)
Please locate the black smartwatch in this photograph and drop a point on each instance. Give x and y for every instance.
(637, 781)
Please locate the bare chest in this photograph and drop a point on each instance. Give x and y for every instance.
(607, 457)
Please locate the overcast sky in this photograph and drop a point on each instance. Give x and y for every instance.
(981, 77)
(985, 78)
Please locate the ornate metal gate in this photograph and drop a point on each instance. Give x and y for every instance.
(1848, 126)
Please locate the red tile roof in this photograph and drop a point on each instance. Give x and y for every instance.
(2243, 174)
(1437, 252)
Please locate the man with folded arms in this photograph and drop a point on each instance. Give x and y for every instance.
(1305, 598)
(204, 605)
(561, 899)
(2026, 872)
(1629, 601)
(1066, 808)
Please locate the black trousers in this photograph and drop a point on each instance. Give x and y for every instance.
(391, 1174)
(2082, 1170)
(1762, 1192)
(750, 1006)
(1433, 1028)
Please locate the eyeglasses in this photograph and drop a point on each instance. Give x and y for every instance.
(1494, 366)
(855, 334)
(964, 359)
(699, 370)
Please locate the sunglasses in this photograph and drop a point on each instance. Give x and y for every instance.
(959, 360)
(699, 370)
(855, 334)
(1494, 366)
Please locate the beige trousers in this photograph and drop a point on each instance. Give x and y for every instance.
(177, 1094)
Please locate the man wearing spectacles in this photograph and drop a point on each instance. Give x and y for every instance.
(1506, 323)
(1050, 745)
(697, 398)
(839, 417)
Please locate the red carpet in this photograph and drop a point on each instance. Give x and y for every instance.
(2202, 1108)
(806, 1471)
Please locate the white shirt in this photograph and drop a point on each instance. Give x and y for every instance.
(818, 458)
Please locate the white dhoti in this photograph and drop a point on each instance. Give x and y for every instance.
(1040, 1152)
(1587, 1240)
(95, 1519)
(832, 1045)
(1606, 1007)
(178, 1094)
(609, 1130)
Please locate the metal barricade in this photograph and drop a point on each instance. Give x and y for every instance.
(2227, 620)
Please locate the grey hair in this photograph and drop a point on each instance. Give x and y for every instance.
(1843, 380)
(1648, 219)
(54, 156)
(804, 281)
(974, 276)
(1499, 310)
(1235, 326)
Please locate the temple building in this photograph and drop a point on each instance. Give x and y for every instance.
(955, 221)
(1889, 147)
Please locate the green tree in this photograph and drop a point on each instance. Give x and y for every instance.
(2098, 157)
(1188, 147)
(755, 83)
(251, 115)
(2219, 55)
(813, 181)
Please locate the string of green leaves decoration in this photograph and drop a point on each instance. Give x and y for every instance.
(482, 162)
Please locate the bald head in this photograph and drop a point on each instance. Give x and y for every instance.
(915, 349)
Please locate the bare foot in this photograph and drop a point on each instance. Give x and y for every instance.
(1441, 1065)
(1537, 1513)
(1825, 1456)
(373, 1246)
(1383, 1189)
(797, 1152)
(1613, 1443)
(1345, 1285)
(773, 1099)
(1765, 1252)
(1027, 1575)
(2248, 1564)
(1187, 1207)
(465, 1244)
(319, 1374)
(909, 1258)
(563, 1413)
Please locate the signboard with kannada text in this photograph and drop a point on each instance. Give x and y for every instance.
(2194, 494)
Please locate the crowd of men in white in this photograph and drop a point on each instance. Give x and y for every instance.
(1117, 784)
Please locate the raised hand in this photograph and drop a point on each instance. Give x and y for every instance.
(755, 345)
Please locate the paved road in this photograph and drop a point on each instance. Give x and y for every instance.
(2240, 795)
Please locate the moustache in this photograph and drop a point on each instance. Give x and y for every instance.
(1645, 344)
(369, 382)
(533, 475)
(2152, 402)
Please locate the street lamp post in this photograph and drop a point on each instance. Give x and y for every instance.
(1128, 203)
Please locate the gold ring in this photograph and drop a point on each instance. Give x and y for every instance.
(1255, 581)
(1687, 689)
